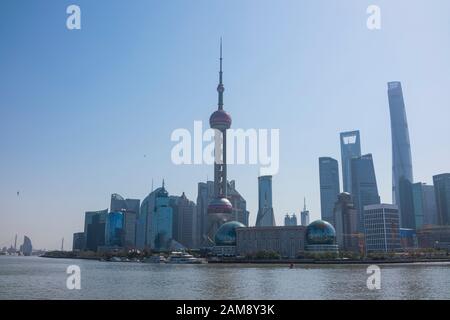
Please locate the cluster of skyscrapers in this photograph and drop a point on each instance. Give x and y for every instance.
(25, 249)
(361, 220)
(163, 222)
(353, 219)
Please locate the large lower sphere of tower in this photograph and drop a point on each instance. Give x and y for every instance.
(220, 120)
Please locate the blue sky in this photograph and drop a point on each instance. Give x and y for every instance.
(80, 109)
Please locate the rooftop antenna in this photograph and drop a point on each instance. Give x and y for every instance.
(220, 87)
(304, 204)
(152, 184)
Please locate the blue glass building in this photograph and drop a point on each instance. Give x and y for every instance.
(265, 217)
(402, 172)
(162, 222)
(329, 187)
(350, 148)
(94, 229)
(442, 191)
(364, 186)
(425, 211)
(114, 229)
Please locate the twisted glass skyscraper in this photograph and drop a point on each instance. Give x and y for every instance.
(402, 173)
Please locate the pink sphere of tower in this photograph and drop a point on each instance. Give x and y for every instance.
(220, 120)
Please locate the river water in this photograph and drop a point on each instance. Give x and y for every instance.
(43, 278)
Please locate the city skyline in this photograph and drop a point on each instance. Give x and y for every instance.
(67, 153)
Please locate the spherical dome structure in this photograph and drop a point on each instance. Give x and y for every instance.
(220, 120)
(226, 235)
(220, 205)
(320, 232)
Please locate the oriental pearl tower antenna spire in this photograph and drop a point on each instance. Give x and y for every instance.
(220, 87)
(220, 208)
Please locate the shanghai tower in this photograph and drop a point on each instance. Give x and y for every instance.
(402, 172)
(220, 208)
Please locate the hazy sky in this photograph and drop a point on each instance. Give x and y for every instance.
(89, 112)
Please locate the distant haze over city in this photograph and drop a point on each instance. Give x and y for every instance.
(89, 113)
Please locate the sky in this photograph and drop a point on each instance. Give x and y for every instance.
(87, 113)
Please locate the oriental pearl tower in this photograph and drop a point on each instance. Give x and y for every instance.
(220, 208)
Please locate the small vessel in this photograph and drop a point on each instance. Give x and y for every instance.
(155, 259)
(116, 259)
(184, 258)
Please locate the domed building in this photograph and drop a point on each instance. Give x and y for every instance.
(226, 235)
(321, 237)
(225, 239)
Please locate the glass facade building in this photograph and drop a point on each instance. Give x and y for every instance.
(205, 194)
(226, 234)
(265, 216)
(346, 223)
(364, 186)
(162, 222)
(78, 241)
(239, 211)
(144, 221)
(329, 187)
(94, 229)
(382, 228)
(290, 220)
(26, 248)
(130, 209)
(442, 192)
(114, 229)
(184, 220)
(350, 148)
(425, 211)
(402, 171)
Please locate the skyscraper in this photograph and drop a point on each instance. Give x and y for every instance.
(130, 210)
(129, 228)
(118, 203)
(162, 222)
(290, 221)
(184, 220)
(304, 215)
(364, 185)
(442, 191)
(205, 195)
(402, 172)
(94, 229)
(240, 212)
(26, 248)
(265, 217)
(78, 241)
(220, 208)
(329, 187)
(350, 148)
(425, 211)
(145, 219)
(346, 223)
(381, 225)
(114, 229)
